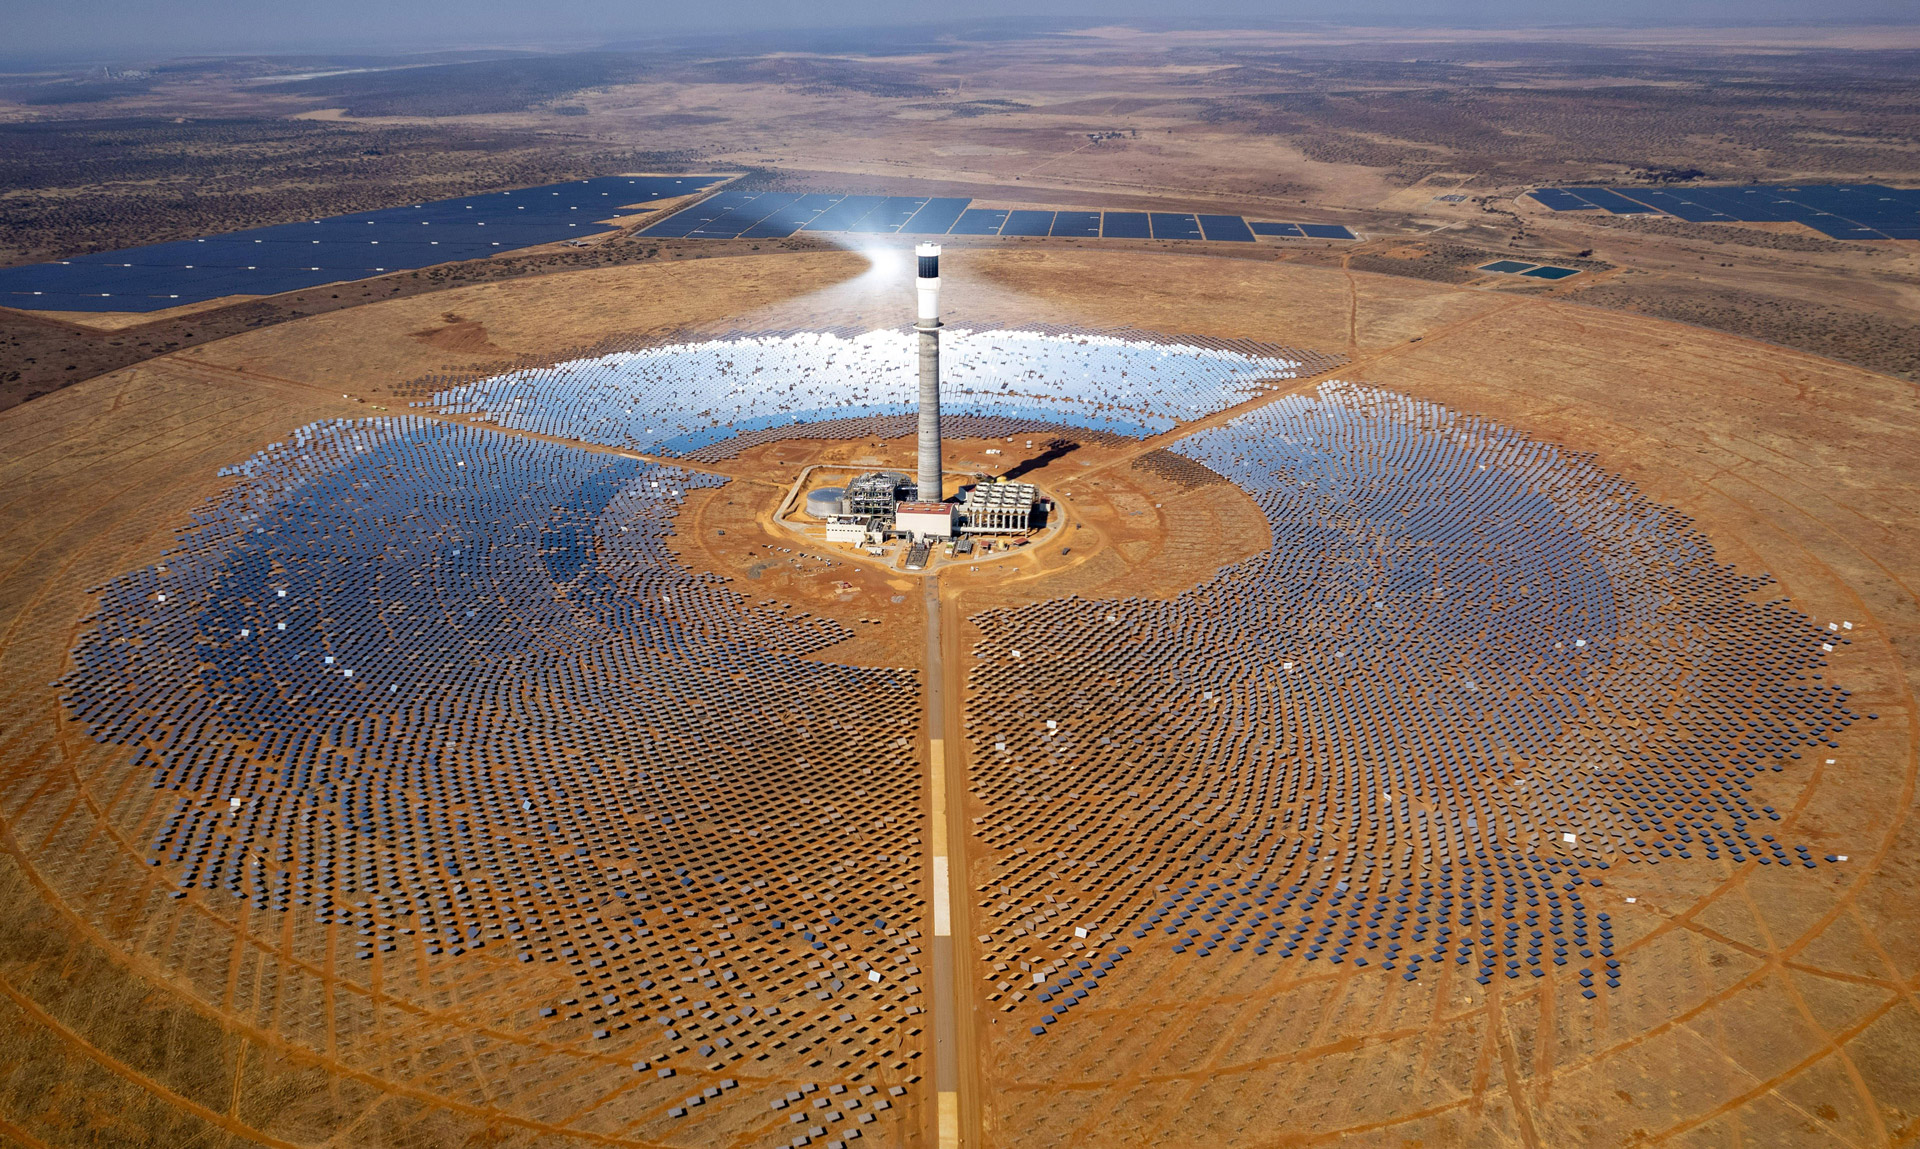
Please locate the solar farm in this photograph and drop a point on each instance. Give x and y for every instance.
(1415, 729)
(1839, 211)
(288, 257)
(742, 214)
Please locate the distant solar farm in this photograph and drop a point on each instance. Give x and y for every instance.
(291, 256)
(1842, 211)
(340, 249)
(742, 214)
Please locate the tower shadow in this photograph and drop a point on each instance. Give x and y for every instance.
(1057, 449)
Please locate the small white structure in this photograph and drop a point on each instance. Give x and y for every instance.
(924, 520)
(847, 529)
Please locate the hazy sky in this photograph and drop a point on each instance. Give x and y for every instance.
(103, 28)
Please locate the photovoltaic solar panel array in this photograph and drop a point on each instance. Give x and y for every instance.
(743, 214)
(1303, 230)
(738, 213)
(1843, 211)
(289, 257)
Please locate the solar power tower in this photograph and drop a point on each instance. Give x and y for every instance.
(928, 326)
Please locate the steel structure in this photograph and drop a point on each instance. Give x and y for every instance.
(1000, 508)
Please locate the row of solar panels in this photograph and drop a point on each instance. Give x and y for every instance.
(294, 256)
(1843, 211)
(738, 214)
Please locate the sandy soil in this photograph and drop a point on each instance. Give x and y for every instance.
(1763, 1011)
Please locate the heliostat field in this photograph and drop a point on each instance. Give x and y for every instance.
(424, 703)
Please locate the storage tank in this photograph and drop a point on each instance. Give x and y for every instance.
(826, 501)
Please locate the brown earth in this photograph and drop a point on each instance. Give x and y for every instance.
(1763, 1011)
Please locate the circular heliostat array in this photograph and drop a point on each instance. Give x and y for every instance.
(438, 698)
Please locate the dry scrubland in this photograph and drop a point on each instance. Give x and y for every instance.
(1767, 1008)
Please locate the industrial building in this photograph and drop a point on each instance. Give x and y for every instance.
(1000, 508)
(876, 493)
(924, 520)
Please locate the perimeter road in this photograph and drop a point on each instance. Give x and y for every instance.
(946, 999)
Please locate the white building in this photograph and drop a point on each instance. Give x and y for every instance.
(1000, 508)
(924, 520)
(847, 529)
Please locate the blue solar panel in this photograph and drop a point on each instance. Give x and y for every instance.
(1126, 225)
(889, 214)
(284, 257)
(936, 218)
(979, 221)
(1082, 224)
(1560, 199)
(1030, 223)
(1326, 231)
(713, 207)
(1288, 230)
(741, 218)
(1226, 228)
(791, 218)
(1683, 205)
(847, 214)
(1174, 225)
(1750, 205)
(1611, 200)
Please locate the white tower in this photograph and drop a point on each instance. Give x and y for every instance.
(928, 325)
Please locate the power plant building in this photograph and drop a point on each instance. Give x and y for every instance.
(1000, 508)
(924, 520)
(876, 493)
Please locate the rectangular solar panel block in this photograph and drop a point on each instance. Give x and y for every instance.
(1680, 206)
(1327, 231)
(1080, 224)
(1560, 199)
(1174, 225)
(1288, 230)
(683, 221)
(746, 215)
(1029, 223)
(1226, 228)
(847, 214)
(1612, 200)
(1126, 225)
(1837, 228)
(791, 218)
(1749, 205)
(937, 217)
(979, 221)
(892, 213)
